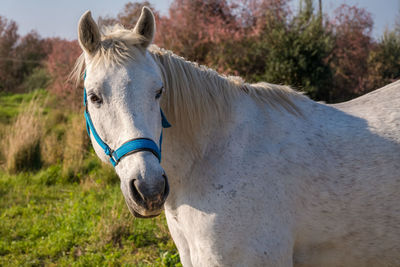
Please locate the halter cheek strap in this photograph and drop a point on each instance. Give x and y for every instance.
(129, 147)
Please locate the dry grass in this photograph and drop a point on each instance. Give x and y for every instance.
(76, 145)
(21, 140)
(3, 131)
(52, 146)
(51, 149)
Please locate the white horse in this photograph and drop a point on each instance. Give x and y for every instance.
(259, 175)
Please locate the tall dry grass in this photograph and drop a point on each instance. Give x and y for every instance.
(52, 144)
(3, 130)
(76, 145)
(22, 140)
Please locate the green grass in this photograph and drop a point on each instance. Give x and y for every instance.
(48, 221)
(10, 104)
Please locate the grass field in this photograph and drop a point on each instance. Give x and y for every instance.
(44, 222)
(53, 216)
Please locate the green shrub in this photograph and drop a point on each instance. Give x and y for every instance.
(49, 176)
(169, 259)
(38, 79)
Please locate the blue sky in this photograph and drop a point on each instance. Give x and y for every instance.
(59, 18)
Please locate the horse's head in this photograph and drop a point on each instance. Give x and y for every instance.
(123, 89)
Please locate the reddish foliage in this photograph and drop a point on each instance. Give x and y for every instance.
(59, 64)
(211, 32)
(128, 16)
(30, 52)
(18, 56)
(199, 30)
(254, 14)
(353, 28)
(194, 27)
(8, 39)
(131, 13)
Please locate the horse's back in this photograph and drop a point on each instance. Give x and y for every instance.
(380, 108)
(387, 95)
(363, 174)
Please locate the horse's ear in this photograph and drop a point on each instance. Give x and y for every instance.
(146, 26)
(88, 33)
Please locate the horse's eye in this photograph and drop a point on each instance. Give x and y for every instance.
(159, 93)
(95, 99)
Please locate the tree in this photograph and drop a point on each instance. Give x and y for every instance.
(194, 27)
(254, 19)
(29, 54)
(59, 64)
(19, 56)
(8, 40)
(301, 57)
(352, 27)
(128, 16)
(384, 61)
(291, 51)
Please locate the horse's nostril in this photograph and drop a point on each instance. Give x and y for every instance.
(135, 193)
(166, 187)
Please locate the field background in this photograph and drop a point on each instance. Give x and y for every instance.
(58, 216)
(60, 206)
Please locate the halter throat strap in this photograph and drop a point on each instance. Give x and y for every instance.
(129, 147)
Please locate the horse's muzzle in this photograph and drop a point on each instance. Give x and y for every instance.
(149, 198)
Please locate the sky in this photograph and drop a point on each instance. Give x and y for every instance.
(52, 18)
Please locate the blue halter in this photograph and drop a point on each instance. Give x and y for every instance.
(130, 146)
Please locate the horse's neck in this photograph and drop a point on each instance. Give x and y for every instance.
(217, 110)
(196, 107)
(219, 139)
(180, 156)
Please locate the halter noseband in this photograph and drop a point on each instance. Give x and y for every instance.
(129, 147)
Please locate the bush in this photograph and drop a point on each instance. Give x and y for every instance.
(38, 79)
(49, 176)
(383, 62)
